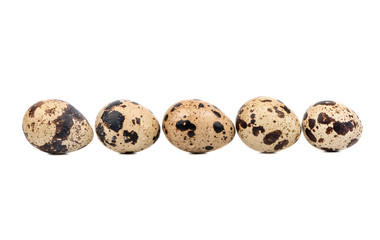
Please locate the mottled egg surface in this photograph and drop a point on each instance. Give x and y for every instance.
(267, 125)
(196, 126)
(126, 127)
(331, 126)
(56, 127)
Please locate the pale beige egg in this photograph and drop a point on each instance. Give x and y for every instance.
(56, 127)
(196, 126)
(267, 125)
(331, 126)
(126, 127)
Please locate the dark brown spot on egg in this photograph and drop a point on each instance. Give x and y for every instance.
(185, 125)
(266, 100)
(310, 135)
(130, 137)
(257, 130)
(208, 148)
(155, 138)
(33, 124)
(63, 126)
(323, 118)
(311, 123)
(280, 145)
(216, 114)
(166, 117)
(50, 111)
(201, 105)
(218, 127)
(113, 144)
(190, 133)
(129, 152)
(113, 120)
(342, 128)
(353, 142)
(305, 116)
(175, 106)
(279, 113)
(272, 137)
(328, 103)
(73, 112)
(101, 134)
(329, 149)
(64, 122)
(55, 147)
(253, 118)
(286, 109)
(113, 104)
(329, 130)
(240, 123)
(34, 107)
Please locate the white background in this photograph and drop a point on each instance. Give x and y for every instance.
(156, 53)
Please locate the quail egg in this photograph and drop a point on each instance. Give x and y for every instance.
(56, 127)
(126, 127)
(267, 125)
(331, 126)
(196, 126)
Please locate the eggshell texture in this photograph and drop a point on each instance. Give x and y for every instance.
(56, 127)
(126, 127)
(267, 125)
(331, 126)
(196, 126)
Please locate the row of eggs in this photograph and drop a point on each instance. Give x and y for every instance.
(263, 124)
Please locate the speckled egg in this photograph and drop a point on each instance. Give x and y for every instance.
(331, 126)
(56, 127)
(267, 125)
(196, 126)
(126, 127)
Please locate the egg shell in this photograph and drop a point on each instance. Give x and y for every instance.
(56, 127)
(197, 126)
(126, 127)
(331, 126)
(267, 125)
